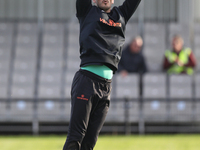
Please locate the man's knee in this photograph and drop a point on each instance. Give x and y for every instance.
(88, 143)
(87, 146)
(71, 146)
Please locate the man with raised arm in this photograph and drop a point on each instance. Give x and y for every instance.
(101, 40)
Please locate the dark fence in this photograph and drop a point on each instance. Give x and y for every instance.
(125, 116)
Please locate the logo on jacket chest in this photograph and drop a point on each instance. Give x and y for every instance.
(110, 23)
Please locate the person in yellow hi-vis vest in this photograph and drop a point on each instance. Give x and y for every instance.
(179, 60)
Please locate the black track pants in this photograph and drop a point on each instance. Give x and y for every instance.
(90, 96)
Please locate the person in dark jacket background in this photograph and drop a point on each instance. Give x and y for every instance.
(102, 36)
(132, 60)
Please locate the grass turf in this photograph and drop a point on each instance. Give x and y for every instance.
(107, 142)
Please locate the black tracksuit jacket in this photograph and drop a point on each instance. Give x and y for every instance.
(102, 34)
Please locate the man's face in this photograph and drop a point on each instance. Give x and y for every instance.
(177, 44)
(104, 4)
(136, 46)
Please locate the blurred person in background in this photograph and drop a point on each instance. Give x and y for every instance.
(132, 60)
(179, 60)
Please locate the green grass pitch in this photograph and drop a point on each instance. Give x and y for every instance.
(105, 142)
